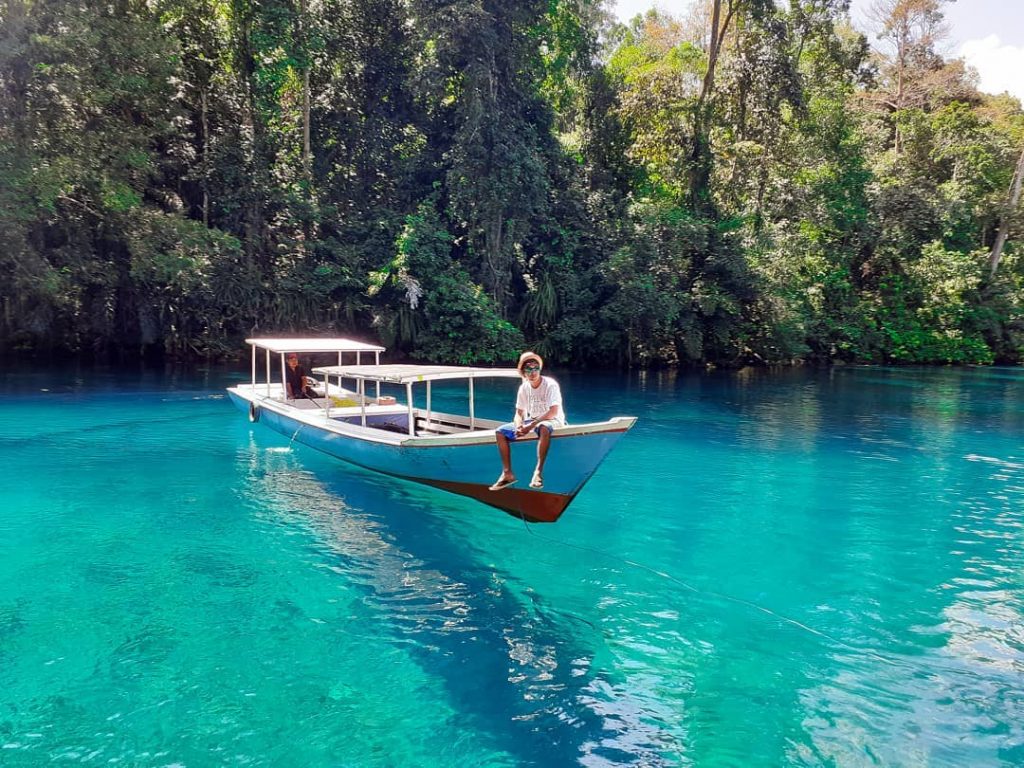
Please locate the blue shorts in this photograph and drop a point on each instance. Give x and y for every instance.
(509, 430)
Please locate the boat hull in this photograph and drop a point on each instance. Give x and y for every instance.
(466, 466)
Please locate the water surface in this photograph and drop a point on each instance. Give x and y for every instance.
(805, 568)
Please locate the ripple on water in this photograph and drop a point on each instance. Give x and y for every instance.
(804, 568)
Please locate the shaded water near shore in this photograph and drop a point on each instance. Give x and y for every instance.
(798, 568)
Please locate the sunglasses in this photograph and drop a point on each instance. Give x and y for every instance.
(531, 368)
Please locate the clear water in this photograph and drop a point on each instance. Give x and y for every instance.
(806, 568)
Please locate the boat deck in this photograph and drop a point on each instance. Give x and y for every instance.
(391, 417)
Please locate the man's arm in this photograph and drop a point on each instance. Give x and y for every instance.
(522, 429)
(521, 404)
(550, 413)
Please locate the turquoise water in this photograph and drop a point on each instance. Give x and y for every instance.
(805, 568)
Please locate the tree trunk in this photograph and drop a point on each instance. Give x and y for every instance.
(206, 161)
(700, 154)
(253, 130)
(498, 269)
(901, 62)
(1004, 221)
(307, 155)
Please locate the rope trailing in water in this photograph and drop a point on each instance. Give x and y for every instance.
(712, 594)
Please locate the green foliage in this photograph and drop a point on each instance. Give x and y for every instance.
(432, 308)
(680, 289)
(657, 71)
(192, 282)
(999, 317)
(465, 179)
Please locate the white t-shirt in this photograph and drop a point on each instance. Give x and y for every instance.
(534, 402)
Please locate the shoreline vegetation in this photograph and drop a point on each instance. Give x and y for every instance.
(751, 184)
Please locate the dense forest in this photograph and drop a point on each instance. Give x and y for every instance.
(753, 183)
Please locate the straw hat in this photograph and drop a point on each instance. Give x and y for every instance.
(526, 357)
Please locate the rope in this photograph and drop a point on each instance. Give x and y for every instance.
(715, 595)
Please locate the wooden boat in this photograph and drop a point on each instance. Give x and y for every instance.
(453, 452)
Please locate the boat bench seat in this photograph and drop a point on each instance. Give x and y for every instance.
(437, 428)
(371, 410)
(307, 403)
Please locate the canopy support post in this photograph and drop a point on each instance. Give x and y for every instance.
(362, 398)
(284, 378)
(254, 369)
(376, 361)
(268, 373)
(412, 416)
(428, 404)
(472, 417)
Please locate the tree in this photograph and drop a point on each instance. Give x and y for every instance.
(914, 75)
(1012, 201)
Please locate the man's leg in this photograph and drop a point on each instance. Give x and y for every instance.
(543, 441)
(506, 456)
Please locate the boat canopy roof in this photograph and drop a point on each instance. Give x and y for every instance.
(405, 374)
(308, 346)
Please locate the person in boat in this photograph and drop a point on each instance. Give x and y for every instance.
(297, 380)
(539, 410)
